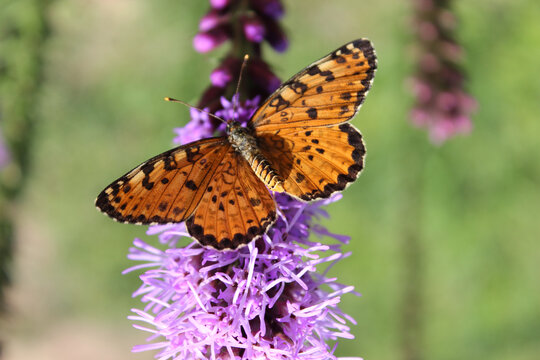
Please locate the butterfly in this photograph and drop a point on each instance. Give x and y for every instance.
(298, 142)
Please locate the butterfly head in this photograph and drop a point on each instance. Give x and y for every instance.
(232, 126)
(239, 136)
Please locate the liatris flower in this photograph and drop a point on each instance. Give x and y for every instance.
(442, 105)
(264, 301)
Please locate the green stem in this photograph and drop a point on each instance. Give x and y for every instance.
(412, 301)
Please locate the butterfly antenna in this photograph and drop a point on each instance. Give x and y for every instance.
(196, 108)
(237, 92)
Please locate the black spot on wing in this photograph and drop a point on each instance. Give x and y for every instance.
(148, 185)
(255, 202)
(299, 177)
(190, 184)
(346, 96)
(298, 87)
(279, 103)
(163, 206)
(169, 162)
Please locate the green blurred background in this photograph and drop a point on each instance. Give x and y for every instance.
(444, 239)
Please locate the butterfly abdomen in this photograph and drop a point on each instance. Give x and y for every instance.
(262, 168)
(246, 145)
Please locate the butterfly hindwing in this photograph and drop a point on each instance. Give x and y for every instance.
(329, 91)
(166, 188)
(315, 162)
(235, 208)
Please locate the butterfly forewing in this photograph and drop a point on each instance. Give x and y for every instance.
(166, 188)
(236, 207)
(328, 92)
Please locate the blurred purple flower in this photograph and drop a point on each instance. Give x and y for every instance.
(206, 41)
(5, 155)
(199, 127)
(262, 301)
(254, 29)
(226, 72)
(442, 105)
(243, 110)
(211, 20)
(220, 77)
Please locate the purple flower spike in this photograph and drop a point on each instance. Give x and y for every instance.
(442, 107)
(207, 41)
(263, 301)
(254, 29)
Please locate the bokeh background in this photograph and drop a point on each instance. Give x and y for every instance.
(445, 239)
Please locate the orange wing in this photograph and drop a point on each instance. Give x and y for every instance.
(166, 188)
(302, 130)
(328, 92)
(236, 208)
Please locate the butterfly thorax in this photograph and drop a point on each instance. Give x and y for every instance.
(245, 143)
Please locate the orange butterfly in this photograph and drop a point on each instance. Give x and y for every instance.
(297, 142)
